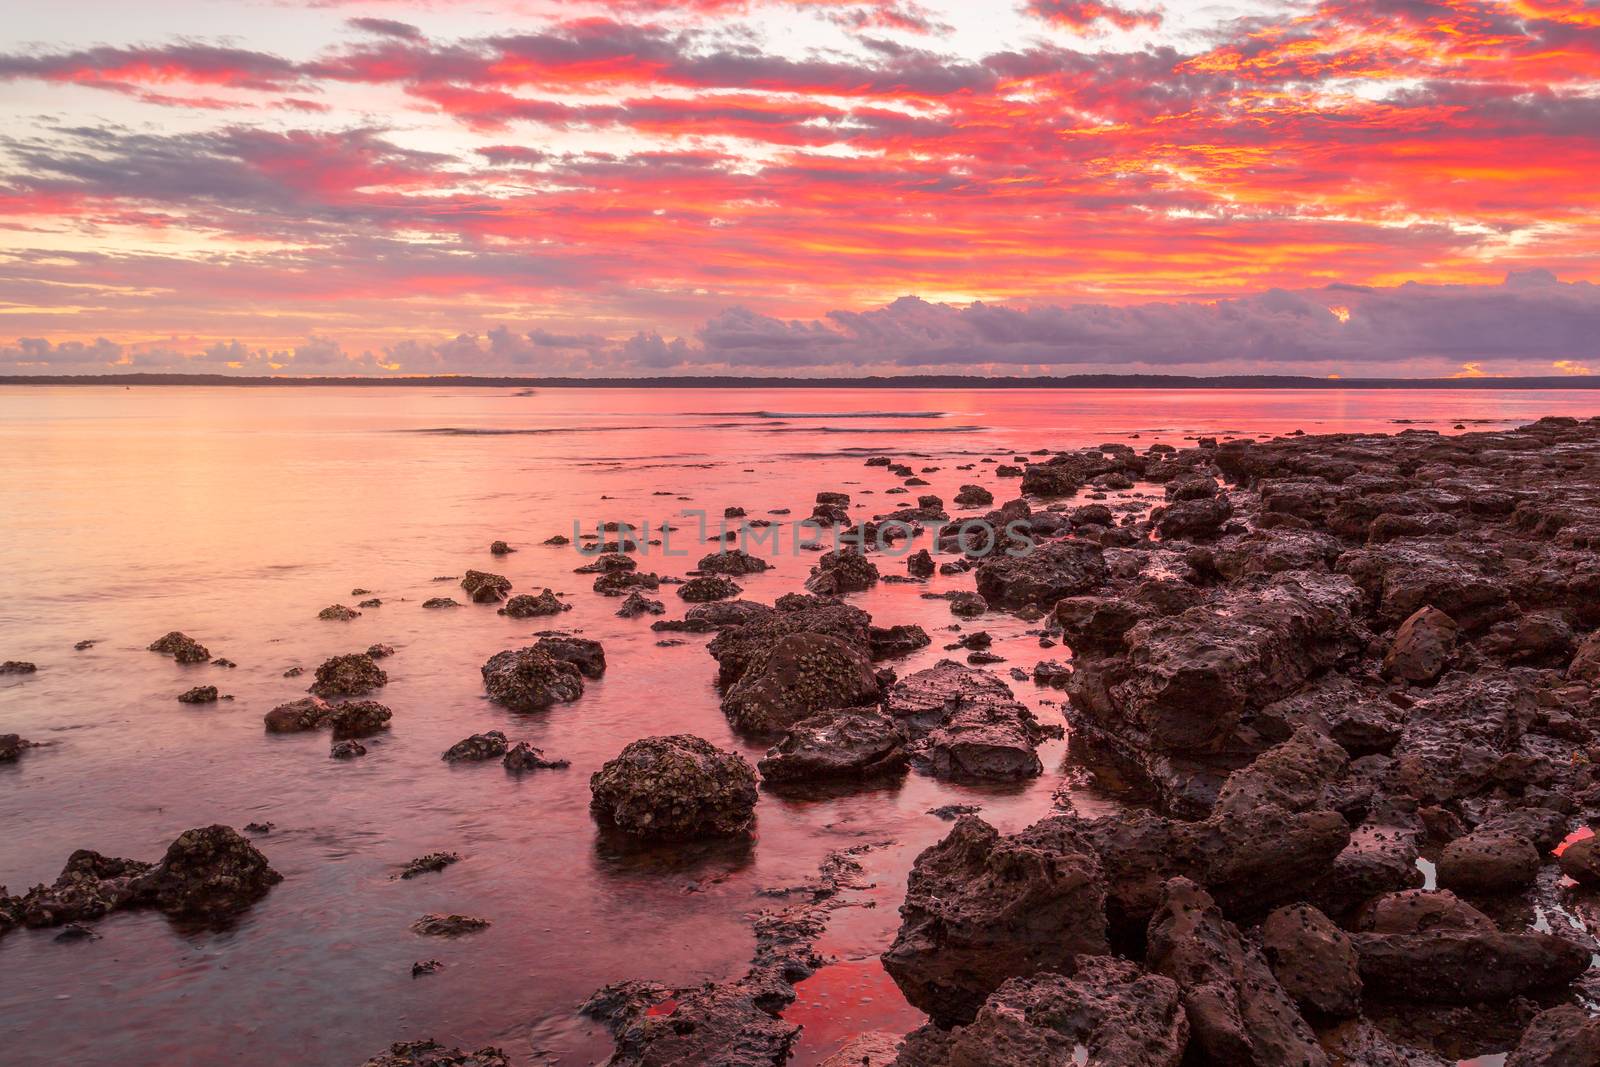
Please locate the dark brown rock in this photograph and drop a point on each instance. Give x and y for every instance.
(796, 677)
(675, 787)
(528, 679)
(1313, 960)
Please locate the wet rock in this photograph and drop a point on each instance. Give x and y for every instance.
(1422, 647)
(371, 602)
(707, 588)
(1238, 1012)
(981, 908)
(1585, 665)
(1564, 1036)
(307, 713)
(1420, 911)
(428, 864)
(486, 588)
(1488, 863)
(17, 666)
(430, 1053)
(476, 748)
(422, 967)
(433, 603)
(799, 675)
(675, 787)
(842, 571)
(338, 613)
(347, 750)
(200, 694)
(1579, 861)
(528, 679)
(524, 757)
(638, 604)
(920, 564)
(1042, 576)
(1313, 960)
(973, 496)
(500, 548)
(11, 748)
(436, 925)
(877, 1048)
(181, 647)
(527, 606)
(966, 605)
(1194, 519)
(351, 675)
(733, 561)
(732, 1024)
(380, 651)
(1096, 623)
(586, 655)
(1464, 967)
(1109, 1013)
(358, 718)
(207, 873)
(888, 642)
(620, 583)
(840, 743)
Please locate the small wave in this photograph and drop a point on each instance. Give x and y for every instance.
(468, 431)
(825, 414)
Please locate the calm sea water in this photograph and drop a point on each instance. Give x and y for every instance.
(235, 515)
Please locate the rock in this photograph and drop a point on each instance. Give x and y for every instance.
(1420, 911)
(1579, 861)
(875, 1049)
(380, 651)
(207, 873)
(432, 1054)
(181, 647)
(1194, 519)
(733, 1024)
(1238, 1013)
(476, 748)
(842, 571)
(527, 606)
(1564, 1036)
(707, 588)
(428, 864)
(1465, 966)
(338, 613)
(352, 675)
(17, 666)
(638, 604)
(524, 757)
(1042, 576)
(347, 750)
(981, 909)
(973, 496)
(1422, 646)
(1110, 1013)
(1313, 960)
(200, 694)
(966, 605)
(435, 602)
(358, 718)
(1585, 665)
(732, 561)
(422, 967)
(740, 642)
(1488, 863)
(528, 679)
(11, 747)
(307, 713)
(486, 588)
(675, 787)
(920, 564)
(500, 548)
(586, 655)
(437, 925)
(839, 743)
(797, 676)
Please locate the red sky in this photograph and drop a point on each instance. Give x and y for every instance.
(1391, 187)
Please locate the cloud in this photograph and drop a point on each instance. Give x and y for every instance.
(1529, 323)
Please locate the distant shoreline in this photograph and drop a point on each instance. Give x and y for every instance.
(907, 381)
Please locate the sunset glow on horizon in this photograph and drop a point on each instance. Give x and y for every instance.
(1403, 187)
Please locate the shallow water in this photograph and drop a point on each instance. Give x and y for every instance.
(235, 515)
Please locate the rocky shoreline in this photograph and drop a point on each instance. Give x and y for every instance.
(1345, 689)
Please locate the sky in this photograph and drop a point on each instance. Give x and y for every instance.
(810, 187)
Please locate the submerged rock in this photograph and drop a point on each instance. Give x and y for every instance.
(181, 647)
(528, 679)
(436, 925)
(429, 864)
(307, 713)
(707, 588)
(338, 613)
(528, 606)
(524, 757)
(476, 748)
(796, 677)
(840, 743)
(200, 694)
(486, 588)
(675, 787)
(17, 666)
(350, 749)
(11, 747)
(352, 675)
